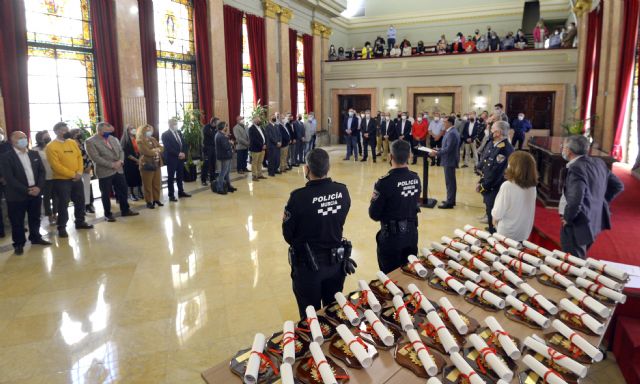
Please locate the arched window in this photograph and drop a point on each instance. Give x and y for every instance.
(246, 103)
(175, 50)
(302, 108)
(61, 70)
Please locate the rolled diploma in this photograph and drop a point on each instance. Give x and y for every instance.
(501, 249)
(465, 368)
(506, 272)
(466, 272)
(485, 294)
(535, 247)
(467, 237)
(356, 348)
(476, 232)
(253, 365)
(451, 282)
(289, 349)
(564, 266)
(577, 340)
(286, 373)
(425, 304)
(446, 339)
(484, 253)
(603, 267)
(321, 362)
(434, 380)
(371, 298)
(497, 283)
(417, 266)
(507, 343)
(531, 313)
(556, 357)
(446, 250)
(570, 258)
(455, 244)
(453, 315)
(589, 301)
(347, 309)
(508, 241)
(500, 368)
(530, 259)
(314, 325)
(544, 303)
(426, 360)
(602, 279)
(586, 318)
(518, 264)
(390, 285)
(403, 314)
(542, 370)
(555, 276)
(601, 290)
(476, 261)
(380, 329)
(437, 263)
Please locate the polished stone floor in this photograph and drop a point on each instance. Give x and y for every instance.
(160, 297)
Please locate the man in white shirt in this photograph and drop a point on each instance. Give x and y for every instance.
(436, 131)
(391, 37)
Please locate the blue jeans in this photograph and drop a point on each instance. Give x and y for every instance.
(223, 176)
(352, 146)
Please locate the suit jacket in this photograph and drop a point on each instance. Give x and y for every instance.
(103, 156)
(520, 127)
(589, 188)
(273, 134)
(450, 153)
(355, 130)
(242, 137)
(369, 129)
(298, 127)
(172, 147)
(256, 142)
(286, 132)
(405, 129)
(474, 131)
(147, 147)
(15, 177)
(392, 129)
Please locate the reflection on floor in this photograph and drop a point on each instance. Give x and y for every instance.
(164, 295)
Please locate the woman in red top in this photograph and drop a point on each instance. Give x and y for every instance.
(419, 132)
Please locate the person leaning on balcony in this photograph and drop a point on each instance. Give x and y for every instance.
(494, 42)
(520, 40)
(333, 55)
(405, 48)
(555, 40)
(367, 51)
(569, 38)
(341, 54)
(469, 45)
(509, 42)
(483, 44)
(378, 47)
(540, 33)
(395, 51)
(441, 45)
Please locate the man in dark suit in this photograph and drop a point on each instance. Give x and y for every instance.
(351, 134)
(393, 129)
(257, 146)
(589, 188)
(175, 149)
(24, 176)
(298, 127)
(404, 126)
(274, 142)
(368, 127)
(469, 136)
(387, 134)
(449, 157)
(209, 151)
(5, 146)
(286, 132)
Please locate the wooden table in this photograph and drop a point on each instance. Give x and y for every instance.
(386, 370)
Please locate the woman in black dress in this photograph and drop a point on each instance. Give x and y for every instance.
(131, 163)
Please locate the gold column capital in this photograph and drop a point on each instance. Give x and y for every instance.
(319, 28)
(271, 9)
(327, 32)
(582, 7)
(285, 15)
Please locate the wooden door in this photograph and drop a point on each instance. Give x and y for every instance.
(358, 102)
(538, 107)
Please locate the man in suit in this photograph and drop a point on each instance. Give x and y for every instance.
(299, 130)
(387, 134)
(5, 146)
(449, 157)
(469, 136)
(589, 188)
(520, 127)
(209, 151)
(175, 149)
(368, 127)
(404, 126)
(242, 144)
(351, 133)
(287, 142)
(108, 158)
(257, 146)
(274, 143)
(24, 176)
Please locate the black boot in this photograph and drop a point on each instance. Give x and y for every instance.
(133, 195)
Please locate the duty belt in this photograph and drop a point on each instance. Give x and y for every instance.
(398, 226)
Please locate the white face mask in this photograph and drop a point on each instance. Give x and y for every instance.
(497, 110)
(350, 114)
(419, 119)
(148, 133)
(520, 117)
(368, 116)
(362, 116)
(1, 137)
(465, 118)
(133, 131)
(387, 118)
(436, 118)
(404, 117)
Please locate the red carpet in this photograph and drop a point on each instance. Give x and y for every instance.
(620, 243)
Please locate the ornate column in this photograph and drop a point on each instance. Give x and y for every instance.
(285, 70)
(324, 53)
(318, 29)
(218, 62)
(271, 10)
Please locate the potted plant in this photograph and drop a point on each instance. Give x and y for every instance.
(575, 126)
(192, 133)
(260, 111)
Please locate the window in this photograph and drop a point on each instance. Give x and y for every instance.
(302, 108)
(246, 102)
(61, 71)
(175, 49)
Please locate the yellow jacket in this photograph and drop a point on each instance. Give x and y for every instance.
(65, 159)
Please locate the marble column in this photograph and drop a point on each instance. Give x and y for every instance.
(324, 52)
(218, 62)
(317, 74)
(582, 24)
(271, 10)
(285, 70)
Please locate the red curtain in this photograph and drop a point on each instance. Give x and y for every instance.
(13, 65)
(307, 42)
(293, 70)
(149, 61)
(105, 41)
(233, 57)
(203, 61)
(627, 62)
(593, 43)
(258, 57)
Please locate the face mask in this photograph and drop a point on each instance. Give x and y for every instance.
(173, 127)
(557, 32)
(361, 116)
(106, 134)
(465, 118)
(472, 119)
(520, 117)
(387, 118)
(1, 137)
(66, 135)
(133, 131)
(350, 114)
(436, 118)
(368, 116)
(273, 120)
(148, 133)
(565, 155)
(404, 117)
(497, 110)
(419, 119)
(47, 140)
(22, 143)
(425, 116)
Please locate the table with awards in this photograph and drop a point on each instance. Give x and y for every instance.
(471, 308)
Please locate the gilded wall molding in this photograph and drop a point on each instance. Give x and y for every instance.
(271, 9)
(285, 15)
(320, 29)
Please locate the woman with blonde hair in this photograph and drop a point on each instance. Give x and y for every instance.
(515, 204)
(150, 163)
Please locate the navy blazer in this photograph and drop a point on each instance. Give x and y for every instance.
(172, 147)
(589, 187)
(354, 126)
(450, 151)
(474, 131)
(393, 130)
(15, 177)
(299, 129)
(405, 130)
(286, 134)
(273, 135)
(370, 128)
(256, 142)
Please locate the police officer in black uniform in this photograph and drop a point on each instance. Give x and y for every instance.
(395, 204)
(312, 225)
(492, 166)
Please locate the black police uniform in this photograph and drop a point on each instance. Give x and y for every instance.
(493, 164)
(313, 221)
(395, 204)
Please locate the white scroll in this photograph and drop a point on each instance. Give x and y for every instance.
(348, 310)
(473, 231)
(577, 340)
(380, 329)
(588, 320)
(314, 325)
(464, 271)
(510, 242)
(288, 343)
(529, 259)
(453, 315)
(389, 284)
(434, 380)
(455, 244)
(450, 281)
(543, 251)
(590, 302)
(497, 283)
(465, 368)
(507, 343)
(535, 295)
(565, 267)
(371, 298)
(530, 313)
(358, 350)
(403, 314)
(506, 273)
(253, 365)
(602, 279)
(448, 251)
(424, 303)
(286, 373)
(528, 269)
(501, 249)
(603, 267)
(491, 257)
(446, 339)
(427, 362)
(601, 290)
(549, 375)
(494, 362)
(556, 276)
(556, 357)
(569, 258)
(417, 266)
(474, 261)
(326, 373)
(467, 237)
(487, 295)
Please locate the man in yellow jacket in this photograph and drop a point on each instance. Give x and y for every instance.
(65, 159)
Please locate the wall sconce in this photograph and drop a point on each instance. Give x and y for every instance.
(392, 103)
(437, 101)
(480, 102)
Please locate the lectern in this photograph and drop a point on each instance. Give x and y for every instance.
(425, 200)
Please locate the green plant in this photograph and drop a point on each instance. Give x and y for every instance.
(575, 126)
(87, 129)
(260, 111)
(192, 132)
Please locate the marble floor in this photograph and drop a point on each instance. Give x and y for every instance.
(160, 297)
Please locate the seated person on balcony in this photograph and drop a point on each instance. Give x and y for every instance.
(405, 48)
(333, 55)
(469, 45)
(458, 44)
(378, 48)
(367, 52)
(476, 36)
(494, 42)
(555, 40)
(341, 55)
(353, 54)
(420, 48)
(379, 40)
(569, 38)
(395, 51)
(509, 42)
(483, 44)
(520, 40)
(441, 46)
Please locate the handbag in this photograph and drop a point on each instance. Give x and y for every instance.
(150, 167)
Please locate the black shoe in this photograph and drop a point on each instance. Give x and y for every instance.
(40, 241)
(150, 206)
(134, 198)
(261, 177)
(2, 235)
(90, 208)
(183, 194)
(445, 206)
(130, 213)
(109, 218)
(231, 189)
(204, 183)
(465, 166)
(159, 204)
(272, 175)
(363, 160)
(278, 172)
(62, 232)
(346, 159)
(223, 192)
(84, 225)
(18, 251)
(172, 199)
